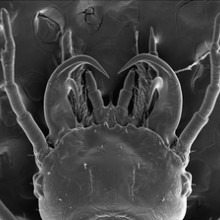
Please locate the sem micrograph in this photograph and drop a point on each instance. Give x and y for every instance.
(109, 110)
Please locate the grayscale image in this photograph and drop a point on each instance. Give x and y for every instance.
(110, 110)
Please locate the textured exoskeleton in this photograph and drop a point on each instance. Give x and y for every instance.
(111, 162)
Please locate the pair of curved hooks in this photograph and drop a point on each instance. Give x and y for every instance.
(164, 119)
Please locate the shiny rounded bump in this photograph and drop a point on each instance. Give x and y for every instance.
(70, 84)
(157, 84)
